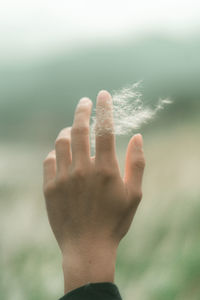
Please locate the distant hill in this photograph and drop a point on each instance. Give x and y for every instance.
(38, 98)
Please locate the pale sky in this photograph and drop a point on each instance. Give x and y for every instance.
(32, 27)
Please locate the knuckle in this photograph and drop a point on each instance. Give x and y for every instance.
(49, 189)
(79, 130)
(139, 163)
(79, 173)
(105, 172)
(137, 195)
(61, 180)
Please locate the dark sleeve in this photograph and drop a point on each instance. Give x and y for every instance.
(94, 291)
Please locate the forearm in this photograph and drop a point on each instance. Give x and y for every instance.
(88, 265)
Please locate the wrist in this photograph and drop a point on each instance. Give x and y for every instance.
(82, 265)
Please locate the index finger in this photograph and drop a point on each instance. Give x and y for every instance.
(104, 129)
(80, 132)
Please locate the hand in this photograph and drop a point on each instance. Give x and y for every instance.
(90, 207)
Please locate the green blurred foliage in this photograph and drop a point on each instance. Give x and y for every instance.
(159, 258)
(39, 97)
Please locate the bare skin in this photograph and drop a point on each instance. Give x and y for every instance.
(90, 206)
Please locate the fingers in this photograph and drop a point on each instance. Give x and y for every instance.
(104, 129)
(63, 150)
(134, 166)
(72, 145)
(49, 168)
(80, 132)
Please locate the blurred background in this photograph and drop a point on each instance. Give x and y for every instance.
(52, 53)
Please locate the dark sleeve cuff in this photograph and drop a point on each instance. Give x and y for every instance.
(94, 291)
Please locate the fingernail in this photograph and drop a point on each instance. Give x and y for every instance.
(84, 100)
(104, 95)
(138, 140)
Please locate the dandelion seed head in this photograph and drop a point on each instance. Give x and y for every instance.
(128, 110)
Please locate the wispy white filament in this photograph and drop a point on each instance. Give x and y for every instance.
(129, 112)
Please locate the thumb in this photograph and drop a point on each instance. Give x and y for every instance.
(134, 166)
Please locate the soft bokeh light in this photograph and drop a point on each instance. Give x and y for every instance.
(36, 27)
(52, 54)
